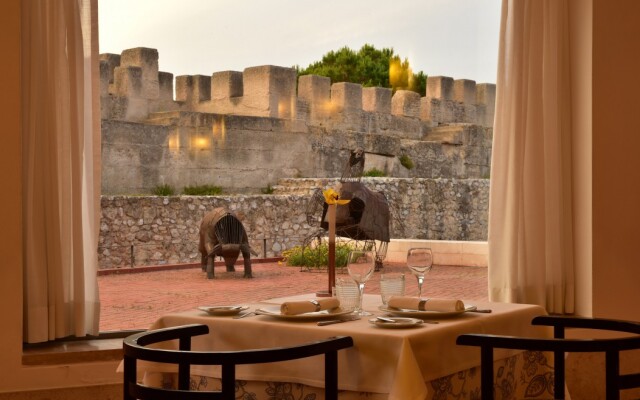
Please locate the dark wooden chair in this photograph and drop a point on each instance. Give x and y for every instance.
(135, 349)
(615, 381)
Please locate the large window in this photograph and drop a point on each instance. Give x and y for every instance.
(438, 38)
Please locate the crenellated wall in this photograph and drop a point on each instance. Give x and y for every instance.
(244, 131)
(132, 87)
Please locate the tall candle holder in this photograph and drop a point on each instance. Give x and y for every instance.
(332, 198)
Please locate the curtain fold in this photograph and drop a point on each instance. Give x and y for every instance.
(530, 210)
(60, 125)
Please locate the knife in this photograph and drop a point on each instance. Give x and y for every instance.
(337, 321)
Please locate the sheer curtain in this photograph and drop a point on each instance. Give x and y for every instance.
(530, 212)
(61, 158)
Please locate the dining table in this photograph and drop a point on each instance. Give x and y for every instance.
(417, 360)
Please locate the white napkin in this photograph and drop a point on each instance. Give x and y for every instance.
(301, 307)
(415, 303)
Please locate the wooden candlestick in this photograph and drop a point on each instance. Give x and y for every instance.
(331, 264)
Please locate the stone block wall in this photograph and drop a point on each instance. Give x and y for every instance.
(158, 230)
(132, 87)
(246, 130)
(245, 154)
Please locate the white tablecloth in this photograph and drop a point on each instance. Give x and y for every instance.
(397, 362)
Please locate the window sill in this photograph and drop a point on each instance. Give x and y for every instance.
(61, 352)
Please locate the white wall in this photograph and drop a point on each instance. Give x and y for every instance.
(616, 164)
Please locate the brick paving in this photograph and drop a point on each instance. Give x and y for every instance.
(135, 300)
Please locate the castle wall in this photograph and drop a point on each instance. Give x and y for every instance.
(245, 130)
(157, 230)
(132, 87)
(245, 154)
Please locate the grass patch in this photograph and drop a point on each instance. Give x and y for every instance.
(202, 190)
(316, 257)
(164, 190)
(267, 190)
(374, 173)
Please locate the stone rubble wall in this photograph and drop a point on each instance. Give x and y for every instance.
(151, 230)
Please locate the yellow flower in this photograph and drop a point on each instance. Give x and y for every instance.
(333, 197)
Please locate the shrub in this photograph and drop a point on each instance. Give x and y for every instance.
(163, 190)
(374, 172)
(267, 190)
(316, 257)
(406, 161)
(202, 190)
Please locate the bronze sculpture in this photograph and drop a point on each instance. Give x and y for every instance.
(222, 234)
(364, 220)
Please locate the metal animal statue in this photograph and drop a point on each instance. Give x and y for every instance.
(365, 219)
(354, 167)
(222, 234)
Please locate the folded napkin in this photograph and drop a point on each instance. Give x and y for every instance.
(301, 307)
(415, 303)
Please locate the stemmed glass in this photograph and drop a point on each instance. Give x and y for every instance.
(361, 265)
(419, 261)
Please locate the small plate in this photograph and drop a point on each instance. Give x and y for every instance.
(398, 322)
(223, 310)
(425, 314)
(310, 316)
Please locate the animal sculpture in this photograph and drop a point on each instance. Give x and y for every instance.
(222, 234)
(365, 220)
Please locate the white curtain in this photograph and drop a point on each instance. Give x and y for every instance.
(61, 158)
(530, 213)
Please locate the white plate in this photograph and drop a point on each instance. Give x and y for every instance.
(223, 310)
(425, 314)
(398, 322)
(324, 314)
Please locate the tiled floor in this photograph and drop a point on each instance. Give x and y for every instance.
(134, 301)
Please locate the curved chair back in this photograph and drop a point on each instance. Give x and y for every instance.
(615, 381)
(135, 349)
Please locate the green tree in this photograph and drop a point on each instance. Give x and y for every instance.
(368, 67)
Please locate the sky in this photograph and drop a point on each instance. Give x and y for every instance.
(456, 38)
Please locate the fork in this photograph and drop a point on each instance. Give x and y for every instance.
(245, 315)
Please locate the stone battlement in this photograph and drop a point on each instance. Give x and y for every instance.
(132, 88)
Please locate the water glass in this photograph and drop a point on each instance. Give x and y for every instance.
(391, 284)
(347, 292)
(420, 261)
(360, 265)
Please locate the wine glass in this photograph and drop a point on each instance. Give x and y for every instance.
(419, 261)
(361, 265)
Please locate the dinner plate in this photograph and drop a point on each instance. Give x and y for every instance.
(402, 312)
(397, 322)
(316, 315)
(223, 310)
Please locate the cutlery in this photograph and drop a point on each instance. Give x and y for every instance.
(244, 315)
(337, 321)
(384, 319)
(485, 311)
(426, 321)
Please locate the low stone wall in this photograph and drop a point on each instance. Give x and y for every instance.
(155, 230)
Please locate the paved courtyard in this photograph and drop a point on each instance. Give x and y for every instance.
(135, 300)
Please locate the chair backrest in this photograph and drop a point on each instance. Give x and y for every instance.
(135, 349)
(615, 381)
